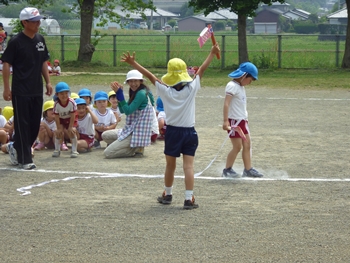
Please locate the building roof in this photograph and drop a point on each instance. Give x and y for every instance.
(148, 12)
(221, 14)
(199, 18)
(342, 13)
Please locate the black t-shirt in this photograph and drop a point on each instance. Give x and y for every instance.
(26, 56)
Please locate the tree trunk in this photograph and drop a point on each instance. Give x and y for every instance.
(346, 58)
(242, 39)
(86, 49)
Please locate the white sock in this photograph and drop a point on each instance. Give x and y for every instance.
(57, 144)
(168, 190)
(74, 143)
(188, 194)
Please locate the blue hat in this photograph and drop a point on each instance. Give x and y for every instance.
(101, 95)
(84, 93)
(62, 86)
(246, 67)
(160, 106)
(80, 101)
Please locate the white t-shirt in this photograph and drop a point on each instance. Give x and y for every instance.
(3, 121)
(179, 106)
(57, 70)
(64, 111)
(116, 111)
(106, 119)
(238, 107)
(86, 126)
(52, 125)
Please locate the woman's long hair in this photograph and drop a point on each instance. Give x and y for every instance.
(132, 93)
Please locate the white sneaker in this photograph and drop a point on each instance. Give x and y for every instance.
(28, 166)
(13, 153)
(56, 153)
(74, 155)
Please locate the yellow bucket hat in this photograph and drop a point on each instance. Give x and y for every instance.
(74, 95)
(177, 72)
(48, 105)
(7, 112)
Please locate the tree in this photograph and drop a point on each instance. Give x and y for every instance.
(346, 58)
(88, 9)
(242, 8)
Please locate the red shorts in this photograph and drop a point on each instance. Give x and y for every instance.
(89, 140)
(99, 137)
(243, 125)
(65, 122)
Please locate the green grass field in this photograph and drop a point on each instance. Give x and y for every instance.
(321, 79)
(297, 51)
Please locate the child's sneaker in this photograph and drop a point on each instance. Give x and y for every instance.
(64, 147)
(251, 173)
(12, 152)
(190, 204)
(74, 155)
(229, 173)
(40, 146)
(165, 199)
(97, 144)
(56, 153)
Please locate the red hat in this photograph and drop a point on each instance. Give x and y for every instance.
(56, 61)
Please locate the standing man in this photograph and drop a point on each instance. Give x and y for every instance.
(26, 52)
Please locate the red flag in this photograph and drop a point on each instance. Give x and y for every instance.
(204, 36)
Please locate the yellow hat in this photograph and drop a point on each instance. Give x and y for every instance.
(74, 95)
(7, 112)
(48, 105)
(177, 72)
(111, 93)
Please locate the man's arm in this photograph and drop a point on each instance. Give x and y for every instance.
(46, 75)
(7, 94)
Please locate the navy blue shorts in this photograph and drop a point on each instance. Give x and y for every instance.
(180, 140)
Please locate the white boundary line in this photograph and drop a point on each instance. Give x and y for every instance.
(93, 175)
(279, 98)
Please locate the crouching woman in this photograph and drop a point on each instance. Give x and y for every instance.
(136, 134)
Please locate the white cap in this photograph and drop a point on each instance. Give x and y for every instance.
(133, 74)
(31, 14)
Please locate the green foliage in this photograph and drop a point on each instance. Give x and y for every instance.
(186, 10)
(219, 25)
(12, 10)
(17, 27)
(172, 22)
(305, 27)
(331, 29)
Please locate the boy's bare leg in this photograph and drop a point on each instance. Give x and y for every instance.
(232, 155)
(246, 153)
(169, 170)
(188, 161)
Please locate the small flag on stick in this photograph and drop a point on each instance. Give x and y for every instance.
(205, 35)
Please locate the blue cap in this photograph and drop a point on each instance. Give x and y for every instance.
(84, 93)
(101, 95)
(80, 101)
(62, 86)
(246, 67)
(160, 106)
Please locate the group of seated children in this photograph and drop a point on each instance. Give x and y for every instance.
(73, 118)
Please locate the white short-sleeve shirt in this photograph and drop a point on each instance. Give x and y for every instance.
(86, 126)
(64, 111)
(179, 106)
(105, 119)
(238, 106)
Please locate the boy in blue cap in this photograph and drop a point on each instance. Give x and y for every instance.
(236, 116)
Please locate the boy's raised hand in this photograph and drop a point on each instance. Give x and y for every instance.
(130, 59)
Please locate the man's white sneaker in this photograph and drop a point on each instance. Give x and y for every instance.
(13, 153)
(56, 153)
(28, 166)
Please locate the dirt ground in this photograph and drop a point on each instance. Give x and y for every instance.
(91, 209)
